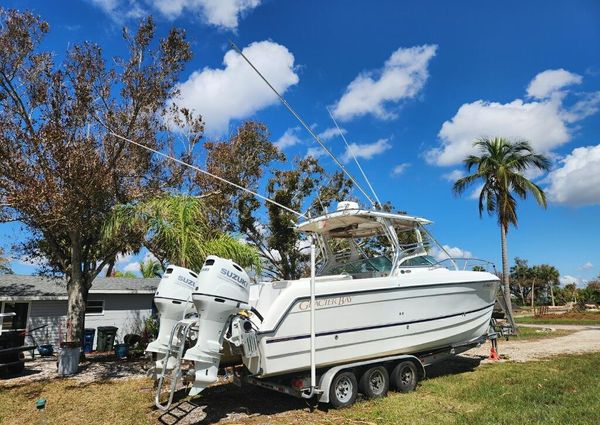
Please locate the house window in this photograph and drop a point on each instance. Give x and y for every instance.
(94, 307)
(17, 321)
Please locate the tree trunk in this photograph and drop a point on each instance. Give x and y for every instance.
(77, 289)
(522, 293)
(505, 278)
(552, 293)
(109, 270)
(533, 296)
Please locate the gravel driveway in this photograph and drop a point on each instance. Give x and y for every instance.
(585, 340)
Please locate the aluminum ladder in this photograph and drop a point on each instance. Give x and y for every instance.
(182, 330)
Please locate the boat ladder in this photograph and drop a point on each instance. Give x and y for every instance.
(181, 330)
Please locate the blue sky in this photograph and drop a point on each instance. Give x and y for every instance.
(411, 83)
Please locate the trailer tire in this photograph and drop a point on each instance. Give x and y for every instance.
(375, 382)
(343, 390)
(404, 377)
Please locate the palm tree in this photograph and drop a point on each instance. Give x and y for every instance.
(150, 268)
(176, 230)
(548, 275)
(500, 167)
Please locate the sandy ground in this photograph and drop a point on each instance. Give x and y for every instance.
(586, 339)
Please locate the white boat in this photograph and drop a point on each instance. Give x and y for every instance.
(378, 293)
(397, 300)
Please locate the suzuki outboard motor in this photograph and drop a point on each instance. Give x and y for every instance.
(173, 301)
(221, 293)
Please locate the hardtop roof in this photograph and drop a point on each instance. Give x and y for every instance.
(352, 223)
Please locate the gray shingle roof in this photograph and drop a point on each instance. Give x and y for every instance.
(33, 287)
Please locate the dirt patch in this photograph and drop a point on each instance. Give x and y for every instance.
(96, 368)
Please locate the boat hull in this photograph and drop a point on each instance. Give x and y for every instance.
(379, 318)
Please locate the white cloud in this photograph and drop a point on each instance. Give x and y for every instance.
(453, 251)
(476, 192)
(400, 168)
(148, 256)
(121, 10)
(367, 150)
(316, 152)
(453, 175)
(403, 76)
(124, 258)
(586, 266)
(330, 133)
(551, 81)
(288, 139)
(223, 14)
(577, 181)
(132, 267)
(566, 279)
(235, 91)
(543, 122)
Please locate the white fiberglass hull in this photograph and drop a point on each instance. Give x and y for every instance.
(369, 318)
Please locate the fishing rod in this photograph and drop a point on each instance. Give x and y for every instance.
(301, 121)
(193, 167)
(354, 156)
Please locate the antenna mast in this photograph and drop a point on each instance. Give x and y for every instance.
(355, 159)
(301, 121)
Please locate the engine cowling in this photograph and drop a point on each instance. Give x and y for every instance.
(173, 299)
(222, 291)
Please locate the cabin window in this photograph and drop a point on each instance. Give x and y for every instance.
(94, 307)
(17, 318)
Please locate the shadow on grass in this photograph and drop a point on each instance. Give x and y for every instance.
(453, 366)
(228, 401)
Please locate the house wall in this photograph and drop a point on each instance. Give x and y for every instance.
(125, 311)
(51, 313)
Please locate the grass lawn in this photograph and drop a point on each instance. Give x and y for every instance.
(587, 318)
(118, 402)
(562, 390)
(531, 334)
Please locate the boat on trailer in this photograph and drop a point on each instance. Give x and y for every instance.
(376, 300)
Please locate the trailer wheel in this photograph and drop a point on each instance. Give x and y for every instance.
(343, 390)
(404, 377)
(375, 382)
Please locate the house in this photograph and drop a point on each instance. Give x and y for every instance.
(121, 302)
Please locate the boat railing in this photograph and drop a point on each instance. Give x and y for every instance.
(467, 263)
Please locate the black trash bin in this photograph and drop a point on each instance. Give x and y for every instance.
(88, 340)
(106, 338)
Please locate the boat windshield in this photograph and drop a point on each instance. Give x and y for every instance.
(364, 243)
(380, 264)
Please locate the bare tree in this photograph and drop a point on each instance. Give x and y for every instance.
(61, 168)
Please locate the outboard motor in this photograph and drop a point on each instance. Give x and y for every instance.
(221, 293)
(173, 301)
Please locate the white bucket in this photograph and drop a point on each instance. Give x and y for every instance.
(68, 360)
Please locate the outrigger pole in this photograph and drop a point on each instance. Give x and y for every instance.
(200, 170)
(354, 156)
(301, 121)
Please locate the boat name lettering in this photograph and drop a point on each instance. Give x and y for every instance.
(234, 277)
(325, 302)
